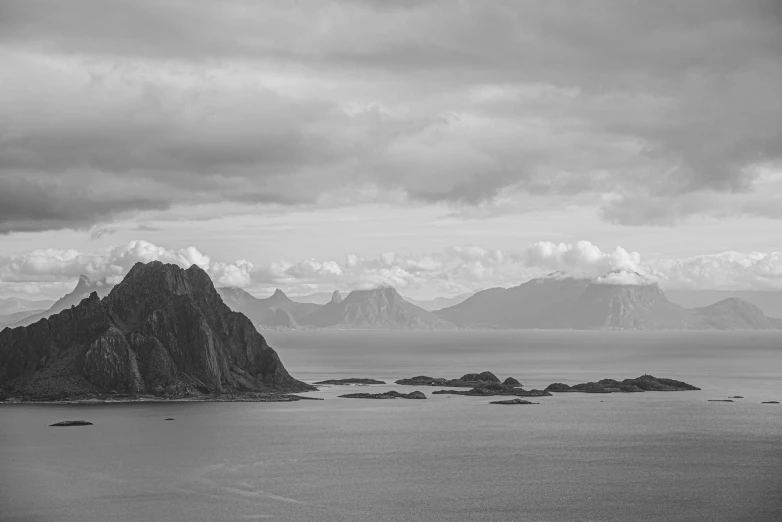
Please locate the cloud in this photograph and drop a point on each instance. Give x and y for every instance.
(160, 104)
(448, 272)
(50, 265)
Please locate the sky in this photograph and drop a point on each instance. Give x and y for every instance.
(438, 146)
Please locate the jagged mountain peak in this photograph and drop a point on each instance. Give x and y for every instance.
(279, 295)
(162, 330)
(336, 297)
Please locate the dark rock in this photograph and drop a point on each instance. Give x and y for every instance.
(385, 395)
(469, 380)
(639, 384)
(495, 389)
(720, 400)
(163, 331)
(510, 381)
(72, 423)
(479, 377)
(513, 401)
(559, 387)
(770, 402)
(169, 418)
(736, 397)
(351, 381)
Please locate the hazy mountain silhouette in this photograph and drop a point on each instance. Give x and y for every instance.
(13, 305)
(378, 308)
(263, 311)
(320, 298)
(563, 302)
(84, 287)
(162, 330)
(769, 301)
(438, 303)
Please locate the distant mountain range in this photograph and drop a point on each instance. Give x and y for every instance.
(438, 303)
(378, 308)
(84, 287)
(551, 302)
(565, 302)
(266, 312)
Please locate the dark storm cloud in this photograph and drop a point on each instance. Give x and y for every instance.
(640, 100)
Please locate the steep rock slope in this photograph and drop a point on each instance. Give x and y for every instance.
(162, 330)
(378, 308)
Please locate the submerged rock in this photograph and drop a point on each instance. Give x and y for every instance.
(720, 400)
(385, 395)
(770, 402)
(639, 384)
(736, 397)
(72, 423)
(513, 401)
(351, 381)
(169, 418)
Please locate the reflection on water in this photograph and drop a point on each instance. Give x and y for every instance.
(665, 456)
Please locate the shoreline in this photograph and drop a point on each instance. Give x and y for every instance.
(272, 397)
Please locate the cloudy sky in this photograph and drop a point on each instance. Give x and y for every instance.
(440, 146)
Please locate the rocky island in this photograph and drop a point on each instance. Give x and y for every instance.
(639, 384)
(351, 381)
(162, 333)
(470, 380)
(512, 402)
(385, 395)
(72, 423)
(495, 389)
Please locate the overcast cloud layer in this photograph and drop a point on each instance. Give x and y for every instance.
(51, 273)
(648, 111)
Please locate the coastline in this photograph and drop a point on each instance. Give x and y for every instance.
(260, 397)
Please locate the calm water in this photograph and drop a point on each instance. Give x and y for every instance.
(665, 456)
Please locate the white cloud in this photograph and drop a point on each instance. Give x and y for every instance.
(451, 271)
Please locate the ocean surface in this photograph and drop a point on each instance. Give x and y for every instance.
(574, 457)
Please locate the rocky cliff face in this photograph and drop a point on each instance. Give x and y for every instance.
(163, 330)
(378, 308)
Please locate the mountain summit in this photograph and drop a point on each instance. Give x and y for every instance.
(162, 330)
(378, 308)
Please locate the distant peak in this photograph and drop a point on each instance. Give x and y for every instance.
(336, 297)
(279, 295)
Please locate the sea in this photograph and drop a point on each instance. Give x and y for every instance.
(666, 456)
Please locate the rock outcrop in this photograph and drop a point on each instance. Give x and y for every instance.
(163, 331)
(639, 384)
(469, 380)
(385, 395)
